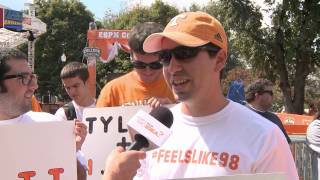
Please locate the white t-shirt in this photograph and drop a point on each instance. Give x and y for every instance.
(232, 141)
(30, 117)
(79, 111)
(60, 114)
(313, 135)
(313, 139)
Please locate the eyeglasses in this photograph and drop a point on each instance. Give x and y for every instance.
(184, 54)
(26, 78)
(266, 91)
(142, 65)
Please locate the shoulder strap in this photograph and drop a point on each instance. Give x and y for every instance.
(70, 111)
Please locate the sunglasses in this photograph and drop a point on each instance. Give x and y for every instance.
(185, 54)
(142, 65)
(266, 91)
(26, 78)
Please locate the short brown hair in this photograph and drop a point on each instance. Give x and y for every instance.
(256, 87)
(75, 69)
(140, 32)
(7, 54)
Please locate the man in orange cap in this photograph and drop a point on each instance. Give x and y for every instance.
(205, 139)
(211, 136)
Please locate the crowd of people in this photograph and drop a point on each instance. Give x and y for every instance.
(179, 64)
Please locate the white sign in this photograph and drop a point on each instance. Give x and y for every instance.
(38, 151)
(87, 52)
(107, 128)
(266, 176)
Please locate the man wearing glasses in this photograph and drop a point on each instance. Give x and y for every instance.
(17, 86)
(144, 85)
(211, 135)
(259, 97)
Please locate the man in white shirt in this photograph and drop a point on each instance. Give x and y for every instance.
(211, 136)
(17, 86)
(313, 141)
(74, 77)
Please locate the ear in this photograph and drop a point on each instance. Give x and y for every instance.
(221, 59)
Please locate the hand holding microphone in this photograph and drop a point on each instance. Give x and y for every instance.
(151, 128)
(122, 164)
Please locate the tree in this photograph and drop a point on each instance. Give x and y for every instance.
(287, 51)
(234, 58)
(159, 12)
(67, 24)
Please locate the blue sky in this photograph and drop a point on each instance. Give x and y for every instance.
(97, 7)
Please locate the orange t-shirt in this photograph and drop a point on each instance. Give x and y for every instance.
(128, 90)
(35, 105)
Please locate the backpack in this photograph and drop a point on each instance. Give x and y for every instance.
(69, 111)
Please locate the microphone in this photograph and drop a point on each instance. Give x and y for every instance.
(154, 127)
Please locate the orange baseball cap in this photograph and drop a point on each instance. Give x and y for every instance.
(189, 29)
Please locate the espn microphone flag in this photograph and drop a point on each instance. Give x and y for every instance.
(151, 127)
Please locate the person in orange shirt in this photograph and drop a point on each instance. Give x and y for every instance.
(35, 105)
(145, 85)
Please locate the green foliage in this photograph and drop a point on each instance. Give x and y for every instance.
(234, 57)
(194, 7)
(108, 71)
(67, 24)
(159, 12)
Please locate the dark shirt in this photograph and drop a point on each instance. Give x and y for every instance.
(273, 118)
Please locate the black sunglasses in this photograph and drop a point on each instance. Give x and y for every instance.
(142, 65)
(184, 54)
(266, 91)
(26, 78)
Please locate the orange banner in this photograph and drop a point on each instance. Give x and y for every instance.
(105, 40)
(108, 41)
(294, 123)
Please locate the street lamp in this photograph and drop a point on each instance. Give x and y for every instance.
(63, 57)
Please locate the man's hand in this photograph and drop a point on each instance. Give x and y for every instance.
(122, 165)
(157, 101)
(81, 133)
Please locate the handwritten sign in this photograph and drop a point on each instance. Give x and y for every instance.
(107, 128)
(38, 151)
